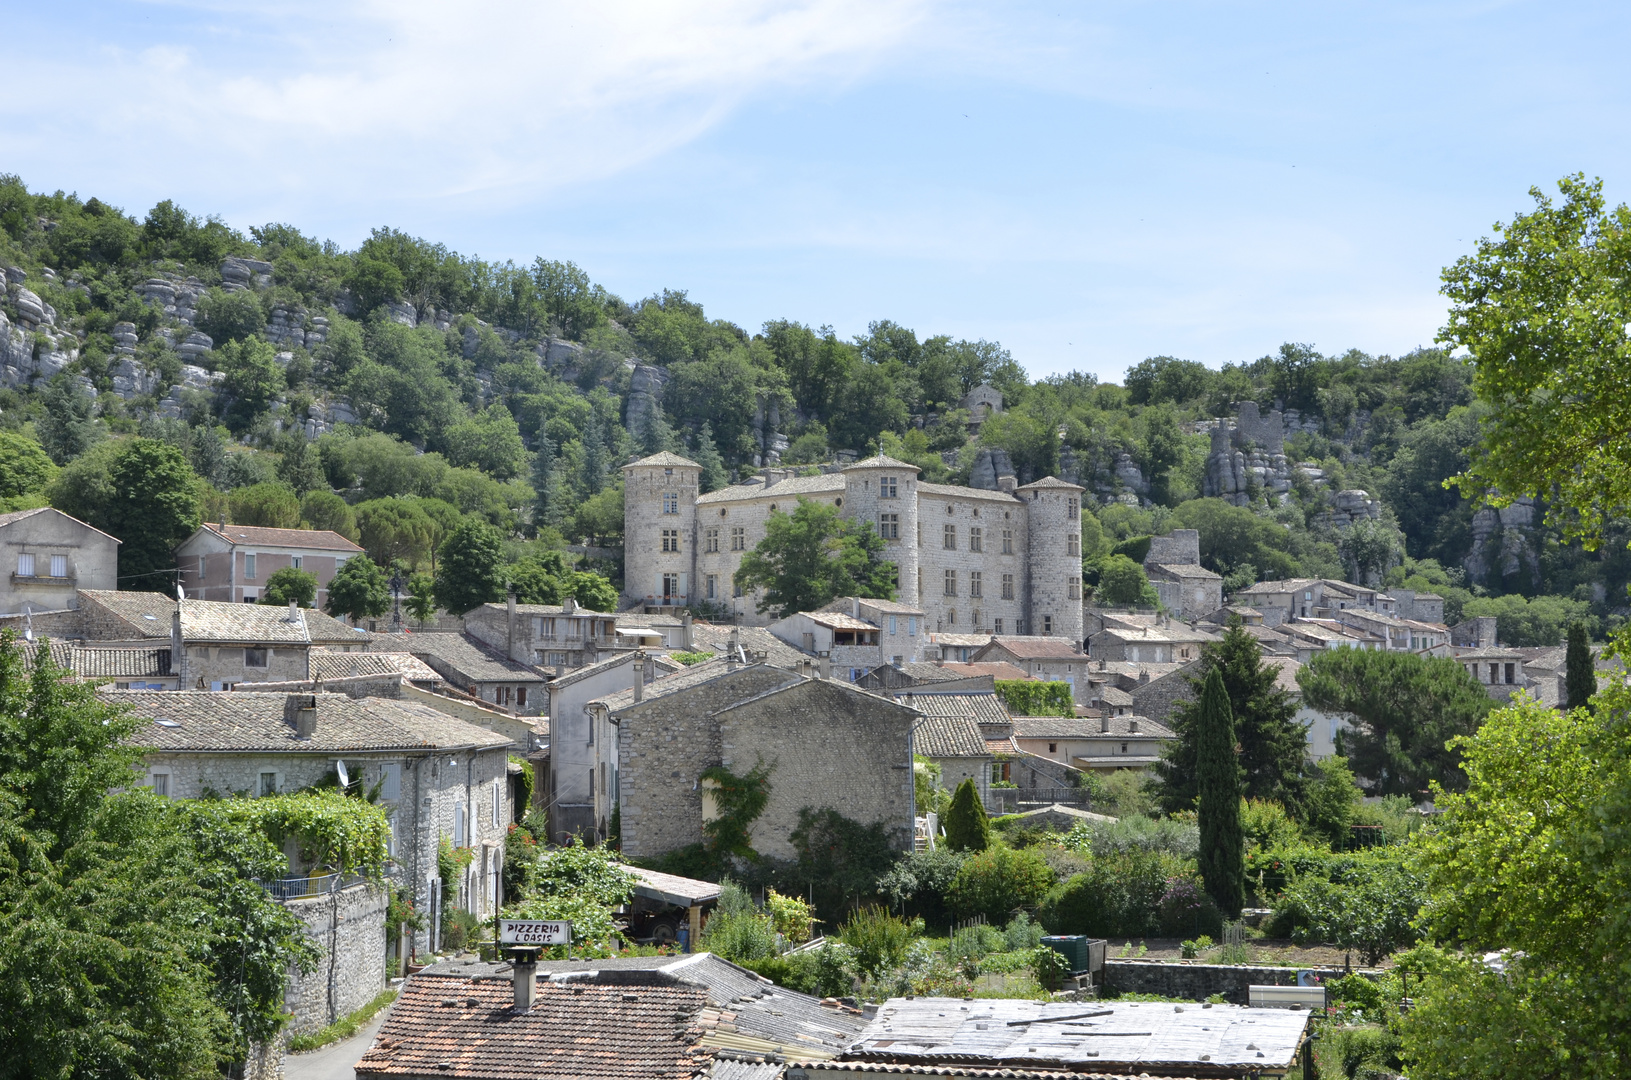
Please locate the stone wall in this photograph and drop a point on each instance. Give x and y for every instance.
(1180, 547)
(1198, 982)
(349, 926)
(1157, 698)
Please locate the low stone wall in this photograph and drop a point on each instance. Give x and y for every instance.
(1198, 982)
(349, 926)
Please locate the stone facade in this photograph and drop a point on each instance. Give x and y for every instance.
(349, 926)
(556, 637)
(48, 556)
(971, 560)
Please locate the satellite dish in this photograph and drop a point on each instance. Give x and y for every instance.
(345, 777)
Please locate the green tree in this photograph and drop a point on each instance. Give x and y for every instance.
(1369, 548)
(1332, 801)
(468, 570)
(288, 583)
(1272, 742)
(1123, 583)
(1542, 310)
(812, 555)
(393, 530)
(374, 282)
(274, 506)
(1405, 709)
(714, 474)
(67, 427)
(1223, 849)
(489, 441)
(25, 469)
(599, 518)
(1580, 677)
(967, 827)
(593, 591)
(997, 881)
(358, 590)
(301, 467)
(230, 316)
(547, 508)
(326, 510)
(421, 603)
(152, 506)
(253, 379)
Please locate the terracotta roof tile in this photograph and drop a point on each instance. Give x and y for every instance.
(111, 663)
(149, 615)
(1032, 647)
(333, 664)
(259, 536)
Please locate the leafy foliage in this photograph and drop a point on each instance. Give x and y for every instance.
(738, 802)
(358, 590)
(998, 881)
(1580, 676)
(1035, 697)
(1219, 783)
(289, 585)
(839, 860)
(468, 572)
(812, 555)
(581, 884)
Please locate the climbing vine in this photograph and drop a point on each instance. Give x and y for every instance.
(739, 800)
(330, 831)
(1030, 697)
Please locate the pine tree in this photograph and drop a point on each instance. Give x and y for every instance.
(594, 455)
(714, 474)
(1579, 677)
(1222, 853)
(1272, 743)
(546, 508)
(658, 436)
(967, 828)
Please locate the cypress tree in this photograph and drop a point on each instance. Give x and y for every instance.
(1222, 854)
(546, 509)
(594, 455)
(967, 828)
(1579, 677)
(714, 476)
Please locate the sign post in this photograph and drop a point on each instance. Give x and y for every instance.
(534, 932)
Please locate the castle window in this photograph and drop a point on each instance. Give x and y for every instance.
(712, 538)
(671, 539)
(671, 586)
(889, 526)
(1073, 544)
(951, 583)
(713, 586)
(1073, 588)
(739, 538)
(974, 585)
(949, 539)
(886, 487)
(948, 509)
(976, 618)
(1007, 541)
(1071, 503)
(671, 502)
(1047, 624)
(1007, 586)
(996, 626)
(951, 616)
(975, 541)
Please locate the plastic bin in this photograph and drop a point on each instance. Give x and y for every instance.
(1081, 952)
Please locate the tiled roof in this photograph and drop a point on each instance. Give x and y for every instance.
(1188, 570)
(947, 736)
(980, 708)
(1003, 745)
(460, 1027)
(18, 515)
(1176, 633)
(997, 669)
(1032, 647)
(462, 659)
(882, 461)
(111, 663)
(1055, 727)
(1287, 668)
(706, 637)
(697, 675)
(887, 607)
(837, 620)
(1121, 727)
(664, 666)
(204, 720)
(792, 487)
(544, 609)
(955, 491)
(1112, 695)
(1050, 482)
(333, 664)
(259, 536)
(972, 641)
(148, 614)
(664, 460)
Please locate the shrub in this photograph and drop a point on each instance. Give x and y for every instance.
(1022, 933)
(1049, 967)
(1119, 896)
(1266, 824)
(967, 827)
(1186, 909)
(793, 918)
(840, 860)
(973, 942)
(879, 940)
(1032, 697)
(824, 972)
(920, 881)
(1364, 1053)
(740, 936)
(1367, 905)
(996, 881)
(1170, 834)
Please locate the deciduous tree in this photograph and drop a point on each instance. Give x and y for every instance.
(358, 590)
(468, 570)
(289, 584)
(812, 555)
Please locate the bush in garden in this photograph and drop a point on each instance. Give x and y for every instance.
(1186, 910)
(1022, 933)
(967, 827)
(1118, 896)
(996, 881)
(879, 940)
(1266, 824)
(920, 881)
(1367, 905)
(825, 972)
(1179, 835)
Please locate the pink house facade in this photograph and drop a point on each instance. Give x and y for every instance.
(232, 563)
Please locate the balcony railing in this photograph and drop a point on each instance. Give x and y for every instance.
(307, 888)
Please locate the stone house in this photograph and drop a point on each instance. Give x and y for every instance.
(1311, 598)
(850, 646)
(483, 673)
(49, 557)
(583, 747)
(1148, 638)
(1499, 671)
(1400, 635)
(952, 733)
(216, 645)
(1103, 744)
(970, 559)
(828, 745)
(231, 563)
(900, 626)
(751, 644)
(954, 648)
(555, 637)
(439, 776)
(1047, 658)
(124, 668)
(1173, 565)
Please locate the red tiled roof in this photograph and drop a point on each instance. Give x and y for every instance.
(1037, 648)
(260, 536)
(459, 1027)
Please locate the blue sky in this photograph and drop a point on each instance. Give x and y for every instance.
(1089, 184)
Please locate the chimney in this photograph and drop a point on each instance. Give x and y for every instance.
(294, 612)
(1007, 484)
(732, 648)
(509, 624)
(824, 664)
(639, 666)
(569, 606)
(1132, 724)
(1104, 722)
(685, 631)
(524, 963)
(301, 711)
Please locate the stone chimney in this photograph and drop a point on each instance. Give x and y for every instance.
(686, 622)
(1104, 722)
(509, 624)
(524, 963)
(294, 612)
(301, 711)
(1007, 484)
(639, 667)
(569, 606)
(824, 665)
(1132, 724)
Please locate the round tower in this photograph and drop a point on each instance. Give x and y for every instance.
(660, 529)
(883, 491)
(1054, 542)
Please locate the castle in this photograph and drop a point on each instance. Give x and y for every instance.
(970, 560)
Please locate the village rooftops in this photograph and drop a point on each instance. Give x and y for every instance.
(996, 669)
(118, 663)
(461, 659)
(1187, 570)
(330, 664)
(1031, 647)
(1156, 1037)
(982, 708)
(150, 615)
(295, 539)
(664, 667)
(837, 620)
(1089, 727)
(756, 641)
(948, 736)
(203, 721)
(695, 675)
(961, 641)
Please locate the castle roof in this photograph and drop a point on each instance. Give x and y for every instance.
(881, 461)
(664, 459)
(958, 492)
(791, 488)
(1050, 482)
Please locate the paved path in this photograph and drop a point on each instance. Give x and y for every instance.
(334, 1062)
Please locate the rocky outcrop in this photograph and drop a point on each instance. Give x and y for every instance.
(1247, 455)
(646, 384)
(400, 311)
(990, 466)
(1504, 543)
(767, 434)
(286, 325)
(238, 274)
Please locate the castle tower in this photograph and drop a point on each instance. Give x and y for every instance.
(883, 491)
(660, 529)
(1054, 576)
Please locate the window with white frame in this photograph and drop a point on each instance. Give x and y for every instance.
(671, 502)
(160, 783)
(886, 487)
(671, 586)
(59, 566)
(996, 626)
(1047, 624)
(671, 539)
(1073, 544)
(297, 561)
(739, 538)
(1073, 588)
(25, 564)
(249, 567)
(712, 584)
